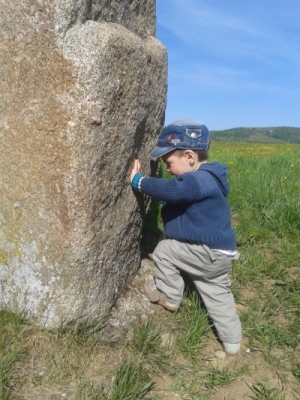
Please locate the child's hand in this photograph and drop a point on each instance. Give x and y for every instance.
(137, 168)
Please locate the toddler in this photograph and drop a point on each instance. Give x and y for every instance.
(199, 239)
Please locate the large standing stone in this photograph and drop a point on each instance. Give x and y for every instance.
(82, 89)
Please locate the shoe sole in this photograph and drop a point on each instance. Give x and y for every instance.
(169, 308)
(231, 354)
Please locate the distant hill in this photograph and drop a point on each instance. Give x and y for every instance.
(281, 134)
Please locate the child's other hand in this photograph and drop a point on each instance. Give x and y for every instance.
(137, 168)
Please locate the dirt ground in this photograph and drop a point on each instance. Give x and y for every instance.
(133, 307)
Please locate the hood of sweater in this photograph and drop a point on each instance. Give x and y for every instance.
(219, 173)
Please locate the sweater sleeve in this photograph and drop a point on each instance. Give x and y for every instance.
(183, 189)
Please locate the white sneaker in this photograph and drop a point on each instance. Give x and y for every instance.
(231, 349)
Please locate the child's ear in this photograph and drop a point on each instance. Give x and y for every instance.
(190, 155)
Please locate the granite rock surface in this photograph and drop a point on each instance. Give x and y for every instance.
(82, 90)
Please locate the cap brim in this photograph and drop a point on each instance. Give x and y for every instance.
(160, 151)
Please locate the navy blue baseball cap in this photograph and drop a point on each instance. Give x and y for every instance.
(182, 134)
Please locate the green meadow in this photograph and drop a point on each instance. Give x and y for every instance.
(172, 355)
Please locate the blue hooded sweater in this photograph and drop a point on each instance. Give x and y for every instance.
(196, 209)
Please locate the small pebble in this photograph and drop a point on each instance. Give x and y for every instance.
(220, 354)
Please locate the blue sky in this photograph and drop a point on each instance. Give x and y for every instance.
(233, 63)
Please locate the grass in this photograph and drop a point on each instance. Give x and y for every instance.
(11, 332)
(221, 377)
(146, 346)
(192, 324)
(262, 391)
(131, 383)
(169, 353)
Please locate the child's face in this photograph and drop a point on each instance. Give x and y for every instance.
(180, 161)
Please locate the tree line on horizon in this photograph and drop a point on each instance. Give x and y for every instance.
(281, 134)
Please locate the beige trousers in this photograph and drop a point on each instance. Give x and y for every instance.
(209, 271)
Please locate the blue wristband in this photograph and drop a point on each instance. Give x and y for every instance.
(136, 181)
